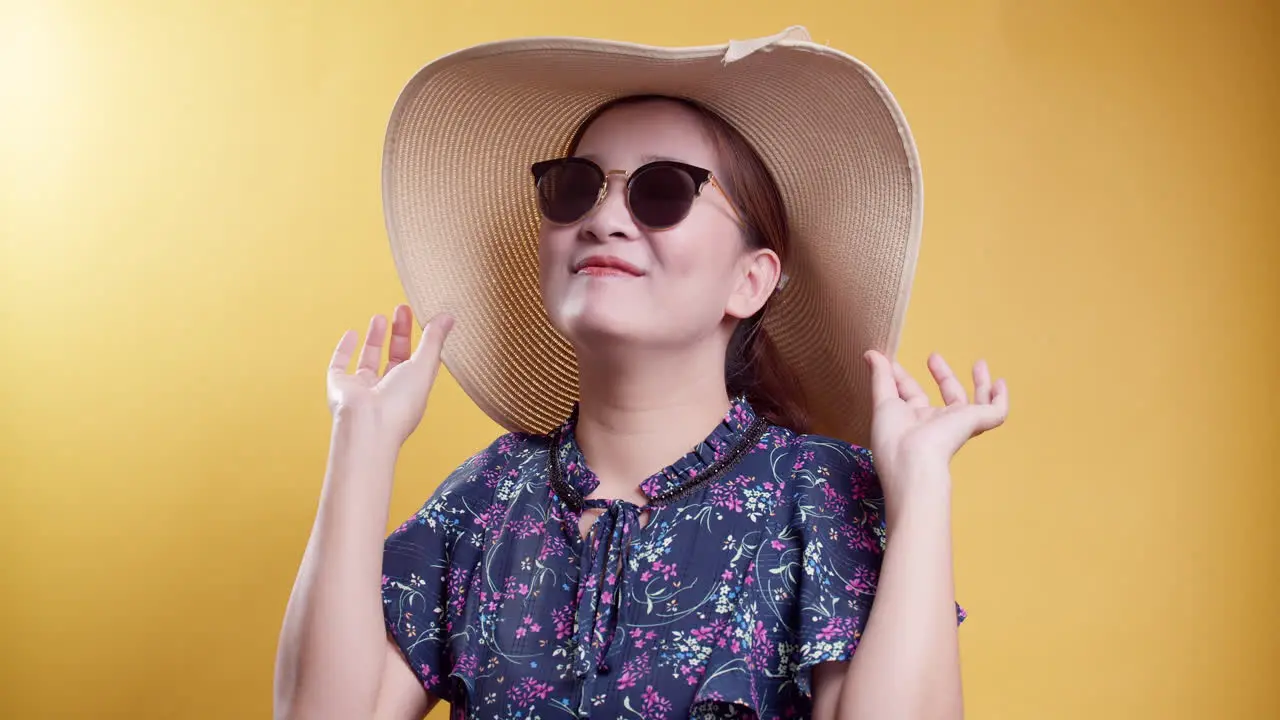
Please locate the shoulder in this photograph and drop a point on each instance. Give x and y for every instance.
(479, 481)
(826, 477)
(505, 456)
(819, 460)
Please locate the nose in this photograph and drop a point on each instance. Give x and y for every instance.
(611, 218)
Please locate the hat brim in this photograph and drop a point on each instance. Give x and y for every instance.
(463, 223)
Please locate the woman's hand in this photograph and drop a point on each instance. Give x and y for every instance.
(909, 436)
(393, 400)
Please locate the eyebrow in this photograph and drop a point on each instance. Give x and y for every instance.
(657, 158)
(644, 159)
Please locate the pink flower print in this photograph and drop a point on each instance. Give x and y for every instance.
(725, 495)
(778, 545)
(466, 664)
(668, 570)
(692, 673)
(552, 546)
(562, 620)
(642, 636)
(654, 704)
(837, 628)
(526, 626)
(527, 527)
(429, 678)
(635, 669)
(529, 690)
(862, 582)
(760, 638)
(833, 501)
(458, 581)
(859, 537)
(716, 632)
(803, 459)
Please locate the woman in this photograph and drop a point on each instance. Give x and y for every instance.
(596, 565)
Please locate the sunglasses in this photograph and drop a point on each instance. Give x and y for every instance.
(658, 195)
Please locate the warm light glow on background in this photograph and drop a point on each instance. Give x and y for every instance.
(190, 217)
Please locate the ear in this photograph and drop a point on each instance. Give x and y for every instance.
(759, 272)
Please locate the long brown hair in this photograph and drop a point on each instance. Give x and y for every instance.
(753, 365)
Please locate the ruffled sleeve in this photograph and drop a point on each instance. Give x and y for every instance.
(427, 563)
(840, 521)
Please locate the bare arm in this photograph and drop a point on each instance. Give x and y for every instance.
(907, 665)
(334, 659)
(908, 662)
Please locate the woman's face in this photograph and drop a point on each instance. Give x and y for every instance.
(685, 285)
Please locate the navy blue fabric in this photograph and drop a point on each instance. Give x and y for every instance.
(718, 606)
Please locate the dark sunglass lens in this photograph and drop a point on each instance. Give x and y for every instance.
(568, 190)
(661, 196)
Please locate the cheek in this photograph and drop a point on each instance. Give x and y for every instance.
(554, 245)
(700, 263)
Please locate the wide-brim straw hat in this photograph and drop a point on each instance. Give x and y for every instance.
(463, 221)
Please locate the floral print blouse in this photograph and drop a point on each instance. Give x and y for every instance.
(758, 560)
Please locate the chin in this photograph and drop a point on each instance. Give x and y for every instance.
(595, 325)
(598, 321)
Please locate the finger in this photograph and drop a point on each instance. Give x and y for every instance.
(432, 341)
(883, 386)
(953, 392)
(371, 355)
(981, 383)
(401, 334)
(993, 416)
(908, 389)
(1000, 397)
(346, 348)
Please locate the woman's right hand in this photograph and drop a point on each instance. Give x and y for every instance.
(392, 400)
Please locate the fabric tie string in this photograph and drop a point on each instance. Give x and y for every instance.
(600, 590)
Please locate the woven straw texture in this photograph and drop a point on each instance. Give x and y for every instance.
(463, 223)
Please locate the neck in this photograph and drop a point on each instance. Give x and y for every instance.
(639, 412)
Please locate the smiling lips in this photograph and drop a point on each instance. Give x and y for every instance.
(606, 265)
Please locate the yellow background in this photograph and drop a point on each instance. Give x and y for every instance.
(190, 217)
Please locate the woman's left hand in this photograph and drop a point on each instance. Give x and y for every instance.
(911, 437)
